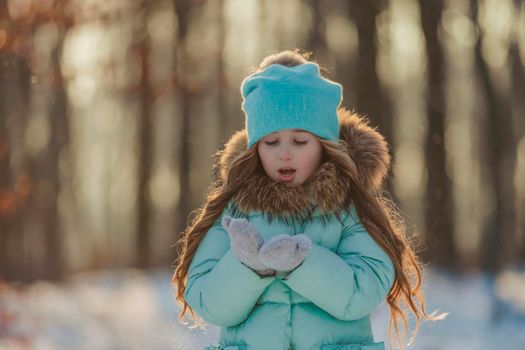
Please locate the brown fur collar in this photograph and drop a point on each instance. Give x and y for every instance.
(326, 189)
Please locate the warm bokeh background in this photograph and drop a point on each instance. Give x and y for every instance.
(111, 111)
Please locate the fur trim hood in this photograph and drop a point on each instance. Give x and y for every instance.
(326, 190)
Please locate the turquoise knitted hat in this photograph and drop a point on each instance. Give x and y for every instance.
(281, 97)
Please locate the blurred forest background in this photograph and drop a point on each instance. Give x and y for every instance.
(110, 112)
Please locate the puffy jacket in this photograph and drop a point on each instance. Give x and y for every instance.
(325, 303)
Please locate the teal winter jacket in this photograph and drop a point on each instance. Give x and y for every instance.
(325, 303)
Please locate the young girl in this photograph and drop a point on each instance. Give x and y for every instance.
(295, 244)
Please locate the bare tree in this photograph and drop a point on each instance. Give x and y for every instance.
(21, 204)
(499, 149)
(5, 174)
(58, 141)
(145, 127)
(370, 96)
(439, 231)
(182, 11)
(316, 40)
(221, 74)
(517, 99)
(16, 184)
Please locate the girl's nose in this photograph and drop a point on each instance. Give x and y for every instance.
(285, 154)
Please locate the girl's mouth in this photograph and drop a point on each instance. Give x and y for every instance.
(286, 174)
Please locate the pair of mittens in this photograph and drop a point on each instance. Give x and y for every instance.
(282, 253)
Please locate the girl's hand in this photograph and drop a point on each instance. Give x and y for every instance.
(245, 243)
(284, 253)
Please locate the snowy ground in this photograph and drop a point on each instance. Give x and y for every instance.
(129, 309)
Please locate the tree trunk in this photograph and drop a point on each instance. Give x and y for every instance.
(316, 37)
(439, 212)
(145, 128)
(370, 96)
(5, 174)
(517, 99)
(59, 140)
(222, 82)
(498, 145)
(15, 84)
(182, 9)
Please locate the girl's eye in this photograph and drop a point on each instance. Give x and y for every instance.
(272, 143)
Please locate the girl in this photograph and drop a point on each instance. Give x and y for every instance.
(295, 244)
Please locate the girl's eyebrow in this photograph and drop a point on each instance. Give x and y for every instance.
(301, 133)
(294, 130)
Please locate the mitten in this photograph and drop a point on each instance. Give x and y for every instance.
(284, 253)
(245, 243)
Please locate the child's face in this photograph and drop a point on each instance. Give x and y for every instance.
(289, 156)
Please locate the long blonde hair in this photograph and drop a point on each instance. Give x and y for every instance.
(378, 214)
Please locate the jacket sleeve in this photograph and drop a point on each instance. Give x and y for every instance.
(219, 288)
(347, 284)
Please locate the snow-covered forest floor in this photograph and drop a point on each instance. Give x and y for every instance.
(131, 309)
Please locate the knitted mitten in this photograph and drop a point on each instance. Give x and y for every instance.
(284, 253)
(245, 243)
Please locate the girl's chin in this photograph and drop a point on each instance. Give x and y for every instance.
(292, 182)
